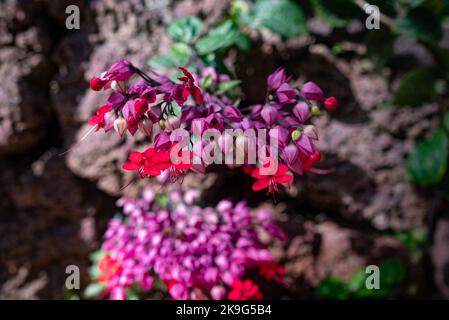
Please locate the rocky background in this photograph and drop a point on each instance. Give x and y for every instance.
(53, 209)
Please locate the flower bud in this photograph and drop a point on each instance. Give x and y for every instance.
(109, 119)
(120, 126)
(97, 84)
(331, 103)
(312, 92)
(162, 124)
(118, 86)
(315, 110)
(296, 135)
(146, 127)
(141, 106)
(269, 114)
(172, 123)
(310, 131)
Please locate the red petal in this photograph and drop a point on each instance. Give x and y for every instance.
(135, 157)
(186, 73)
(282, 169)
(197, 95)
(261, 184)
(283, 179)
(129, 166)
(185, 93)
(141, 106)
(97, 84)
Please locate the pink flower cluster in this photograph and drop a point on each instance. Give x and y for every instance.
(148, 105)
(199, 253)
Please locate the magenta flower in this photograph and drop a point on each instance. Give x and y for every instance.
(311, 91)
(276, 79)
(301, 111)
(121, 70)
(232, 114)
(197, 252)
(286, 94)
(269, 114)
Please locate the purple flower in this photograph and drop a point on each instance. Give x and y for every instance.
(131, 116)
(194, 251)
(162, 142)
(305, 144)
(275, 79)
(269, 114)
(120, 71)
(312, 92)
(115, 99)
(286, 94)
(291, 157)
(301, 111)
(232, 114)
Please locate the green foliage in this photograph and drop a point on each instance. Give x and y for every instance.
(332, 288)
(338, 13)
(427, 162)
(392, 275)
(379, 45)
(284, 17)
(162, 200)
(93, 290)
(227, 86)
(421, 24)
(178, 54)
(414, 240)
(416, 87)
(185, 29)
(221, 37)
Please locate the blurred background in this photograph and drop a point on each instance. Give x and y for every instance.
(387, 141)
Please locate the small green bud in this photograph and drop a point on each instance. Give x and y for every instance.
(296, 135)
(315, 110)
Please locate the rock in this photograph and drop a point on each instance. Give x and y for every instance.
(24, 106)
(326, 249)
(52, 219)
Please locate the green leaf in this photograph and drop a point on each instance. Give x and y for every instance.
(132, 294)
(427, 162)
(185, 29)
(164, 62)
(217, 63)
(96, 256)
(284, 17)
(392, 274)
(332, 288)
(93, 290)
(338, 13)
(178, 54)
(227, 86)
(357, 281)
(223, 36)
(94, 272)
(162, 200)
(416, 87)
(421, 24)
(379, 45)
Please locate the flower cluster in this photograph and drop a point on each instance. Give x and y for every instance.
(158, 107)
(198, 253)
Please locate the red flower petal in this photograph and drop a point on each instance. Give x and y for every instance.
(261, 184)
(283, 179)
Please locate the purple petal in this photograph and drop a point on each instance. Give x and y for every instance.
(312, 92)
